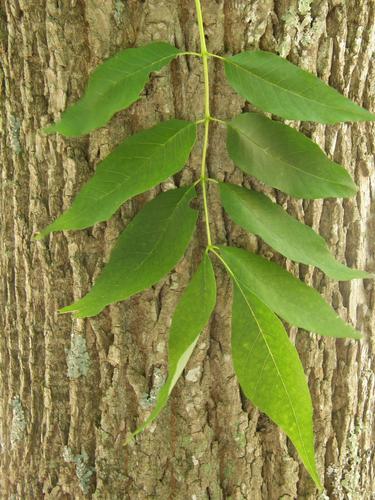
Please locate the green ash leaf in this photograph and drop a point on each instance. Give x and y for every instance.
(256, 213)
(285, 159)
(151, 245)
(191, 315)
(271, 374)
(114, 85)
(287, 296)
(138, 164)
(280, 87)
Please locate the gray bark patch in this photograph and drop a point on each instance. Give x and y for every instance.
(17, 431)
(84, 471)
(77, 358)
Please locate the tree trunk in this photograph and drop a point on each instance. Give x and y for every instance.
(72, 390)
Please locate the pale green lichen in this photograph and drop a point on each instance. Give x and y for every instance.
(240, 436)
(298, 28)
(323, 496)
(186, 441)
(18, 427)
(119, 9)
(84, 471)
(312, 31)
(290, 19)
(14, 134)
(304, 7)
(77, 357)
(291, 24)
(149, 399)
(346, 480)
(351, 477)
(229, 470)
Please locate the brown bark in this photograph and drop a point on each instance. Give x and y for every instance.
(63, 417)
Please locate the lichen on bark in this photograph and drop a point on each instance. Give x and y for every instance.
(77, 357)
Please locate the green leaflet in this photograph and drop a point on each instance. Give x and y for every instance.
(139, 163)
(256, 213)
(191, 315)
(148, 248)
(285, 159)
(271, 374)
(114, 85)
(286, 295)
(278, 86)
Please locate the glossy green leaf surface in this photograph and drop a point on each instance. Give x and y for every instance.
(256, 213)
(275, 85)
(149, 247)
(114, 85)
(285, 159)
(138, 164)
(270, 372)
(191, 315)
(285, 295)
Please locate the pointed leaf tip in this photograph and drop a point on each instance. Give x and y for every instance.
(129, 440)
(71, 308)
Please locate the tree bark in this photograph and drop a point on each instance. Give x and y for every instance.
(72, 390)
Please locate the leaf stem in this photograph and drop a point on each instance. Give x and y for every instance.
(212, 119)
(210, 54)
(189, 53)
(203, 178)
(222, 122)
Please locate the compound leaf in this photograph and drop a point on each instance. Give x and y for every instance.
(286, 295)
(280, 87)
(114, 85)
(139, 163)
(256, 213)
(271, 374)
(191, 315)
(285, 159)
(147, 250)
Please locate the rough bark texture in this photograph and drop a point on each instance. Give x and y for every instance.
(71, 390)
